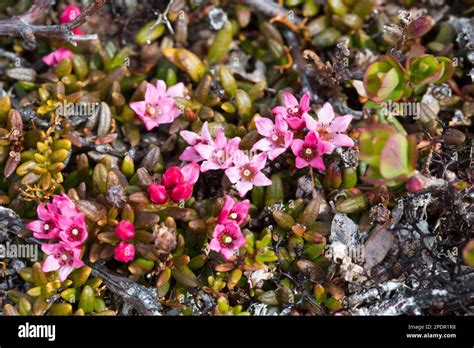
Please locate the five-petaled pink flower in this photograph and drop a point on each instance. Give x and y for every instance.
(246, 173)
(57, 56)
(234, 211)
(193, 139)
(70, 13)
(329, 127)
(219, 154)
(226, 239)
(293, 111)
(159, 106)
(310, 151)
(277, 136)
(73, 229)
(63, 257)
(124, 252)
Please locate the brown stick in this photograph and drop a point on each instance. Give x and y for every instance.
(21, 25)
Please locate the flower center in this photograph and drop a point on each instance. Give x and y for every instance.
(152, 111)
(278, 139)
(308, 152)
(226, 241)
(46, 226)
(64, 256)
(294, 111)
(74, 233)
(248, 173)
(233, 216)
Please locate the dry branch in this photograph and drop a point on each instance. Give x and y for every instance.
(22, 25)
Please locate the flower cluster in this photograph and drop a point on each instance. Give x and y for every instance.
(124, 251)
(322, 137)
(55, 57)
(159, 106)
(221, 153)
(176, 184)
(227, 236)
(62, 222)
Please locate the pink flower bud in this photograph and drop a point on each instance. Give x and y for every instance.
(125, 230)
(181, 192)
(415, 184)
(124, 252)
(70, 13)
(171, 177)
(157, 193)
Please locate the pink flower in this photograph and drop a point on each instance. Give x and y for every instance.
(125, 230)
(70, 13)
(73, 229)
(157, 193)
(124, 252)
(59, 219)
(46, 227)
(277, 136)
(218, 154)
(57, 56)
(293, 111)
(310, 151)
(193, 139)
(246, 173)
(234, 212)
(62, 257)
(330, 127)
(226, 239)
(159, 106)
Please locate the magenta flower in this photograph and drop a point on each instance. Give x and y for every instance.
(57, 56)
(293, 111)
(73, 229)
(70, 13)
(219, 153)
(124, 252)
(233, 211)
(330, 128)
(277, 136)
(310, 151)
(159, 106)
(59, 219)
(62, 257)
(246, 173)
(226, 239)
(171, 177)
(193, 139)
(125, 230)
(47, 226)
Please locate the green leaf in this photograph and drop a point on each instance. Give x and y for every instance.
(394, 157)
(389, 83)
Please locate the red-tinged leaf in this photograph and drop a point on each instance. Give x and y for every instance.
(394, 157)
(420, 26)
(389, 83)
(468, 253)
(224, 267)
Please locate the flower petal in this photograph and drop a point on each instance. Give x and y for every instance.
(342, 140)
(243, 187)
(326, 114)
(340, 124)
(176, 91)
(189, 137)
(264, 126)
(262, 145)
(233, 173)
(139, 107)
(259, 161)
(261, 180)
(300, 163)
(289, 100)
(304, 102)
(190, 173)
(50, 264)
(318, 163)
(189, 154)
(151, 94)
(296, 146)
